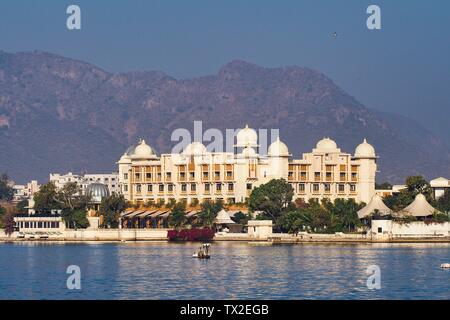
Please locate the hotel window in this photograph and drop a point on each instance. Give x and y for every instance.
(316, 176)
(230, 187)
(290, 174)
(193, 187)
(316, 187)
(125, 176)
(183, 187)
(218, 187)
(341, 188)
(161, 188)
(192, 175)
(216, 174)
(303, 175)
(327, 187)
(207, 187)
(137, 176)
(328, 175)
(354, 176)
(125, 188)
(148, 175)
(182, 175)
(352, 187)
(342, 176)
(249, 186)
(158, 175)
(170, 187)
(149, 188)
(229, 174)
(301, 187)
(168, 175)
(138, 188)
(205, 175)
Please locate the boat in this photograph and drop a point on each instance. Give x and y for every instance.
(203, 252)
(445, 266)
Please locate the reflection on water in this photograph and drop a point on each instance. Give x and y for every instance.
(160, 270)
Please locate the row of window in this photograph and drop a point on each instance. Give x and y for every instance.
(316, 187)
(183, 186)
(182, 175)
(318, 175)
(38, 224)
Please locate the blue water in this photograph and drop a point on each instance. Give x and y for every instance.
(160, 270)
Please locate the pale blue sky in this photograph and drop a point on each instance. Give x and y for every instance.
(403, 68)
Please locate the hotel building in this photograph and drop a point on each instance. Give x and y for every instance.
(195, 174)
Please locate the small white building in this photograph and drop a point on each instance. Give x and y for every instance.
(440, 186)
(260, 229)
(38, 226)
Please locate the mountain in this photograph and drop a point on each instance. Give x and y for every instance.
(59, 114)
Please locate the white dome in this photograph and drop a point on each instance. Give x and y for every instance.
(326, 144)
(195, 148)
(248, 152)
(143, 150)
(247, 137)
(365, 150)
(278, 149)
(125, 158)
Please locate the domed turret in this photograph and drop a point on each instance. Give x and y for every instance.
(194, 149)
(248, 152)
(326, 144)
(278, 149)
(365, 150)
(143, 150)
(247, 137)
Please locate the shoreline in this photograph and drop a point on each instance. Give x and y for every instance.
(249, 240)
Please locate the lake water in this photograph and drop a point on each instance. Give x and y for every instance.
(160, 270)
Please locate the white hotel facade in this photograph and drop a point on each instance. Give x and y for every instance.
(196, 175)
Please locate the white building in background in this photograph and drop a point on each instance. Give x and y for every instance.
(440, 186)
(111, 180)
(27, 191)
(197, 174)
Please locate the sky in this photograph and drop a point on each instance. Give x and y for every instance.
(403, 68)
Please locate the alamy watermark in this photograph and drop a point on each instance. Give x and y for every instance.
(74, 280)
(374, 279)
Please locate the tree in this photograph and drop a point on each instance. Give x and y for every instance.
(443, 202)
(414, 186)
(45, 198)
(8, 222)
(344, 213)
(2, 215)
(383, 186)
(75, 218)
(208, 213)
(418, 184)
(177, 217)
(241, 218)
(70, 200)
(21, 207)
(111, 208)
(6, 191)
(272, 198)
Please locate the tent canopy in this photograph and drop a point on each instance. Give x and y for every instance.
(375, 204)
(223, 218)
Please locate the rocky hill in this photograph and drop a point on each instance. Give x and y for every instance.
(58, 114)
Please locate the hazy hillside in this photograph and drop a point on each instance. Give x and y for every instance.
(57, 114)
